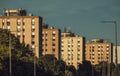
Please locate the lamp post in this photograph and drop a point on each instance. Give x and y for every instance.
(34, 61)
(65, 66)
(10, 54)
(10, 59)
(10, 64)
(34, 65)
(115, 28)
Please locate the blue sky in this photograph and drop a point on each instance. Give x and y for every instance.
(82, 16)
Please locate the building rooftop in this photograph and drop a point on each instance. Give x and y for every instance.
(97, 41)
(16, 12)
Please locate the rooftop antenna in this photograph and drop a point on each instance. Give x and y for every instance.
(65, 29)
(69, 29)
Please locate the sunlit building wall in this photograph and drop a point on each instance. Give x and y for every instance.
(72, 49)
(98, 50)
(27, 28)
(118, 54)
(51, 41)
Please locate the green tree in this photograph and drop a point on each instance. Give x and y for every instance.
(22, 56)
(52, 66)
(85, 69)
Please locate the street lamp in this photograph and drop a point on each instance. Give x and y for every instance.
(34, 62)
(115, 27)
(10, 65)
(10, 61)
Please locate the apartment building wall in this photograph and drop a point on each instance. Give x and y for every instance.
(27, 28)
(51, 41)
(98, 51)
(118, 54)
(72, 50)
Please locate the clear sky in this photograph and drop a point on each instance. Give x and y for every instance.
(81, 16)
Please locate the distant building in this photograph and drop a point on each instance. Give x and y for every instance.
(98, 50)
(27, 28)
(72, 49)
(118, 54)
(51, 41)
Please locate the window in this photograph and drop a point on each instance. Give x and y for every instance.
(23, 27)
(68, 58)
(23, 33)
(99, 46)
(99, 58)
(53, 38)
(53, 49)
(78, 58)
(68, 55)
(107, 45)
(33, 22)
(78, 50)
(8, 22)
(23, 23)
(53, 44)
(107, 49)
(78, 53)
(18, 22)
(33, 28)
(3, 22)
(53, 34)
(69, 40)
(33, 36)
(18, 28)
(46, 34)
(78, 45)
(33, 41)
(68, 45)
(68, 63)
(33, 33)
(18, 33)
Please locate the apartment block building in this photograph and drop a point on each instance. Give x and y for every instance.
(118, 54)
(51, 41)
(72, 49)
(27, 28)
(98, 50)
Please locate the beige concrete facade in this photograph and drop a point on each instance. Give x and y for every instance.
(51, 41)
(27, 28)
(72, 50)
(118, 54)
(98, 50)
